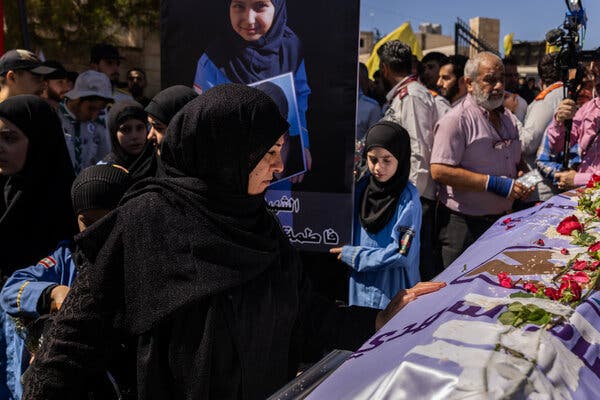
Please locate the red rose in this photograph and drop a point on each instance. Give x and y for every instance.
(598, 212)
(564, 252)
(579, 277)
(579, 265)
(570, 289)
(506, 221)
(530, 287)
(593, 180)
(505, 280)
(540, 242)
(552, 293)
(595, 247)
(593, 266)
(507, 283)
(568, 225)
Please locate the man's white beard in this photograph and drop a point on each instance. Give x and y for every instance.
(484, 100)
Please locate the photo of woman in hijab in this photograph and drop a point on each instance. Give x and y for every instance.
(384, 255)
(259, 46)
(207, 284)
(128, 129)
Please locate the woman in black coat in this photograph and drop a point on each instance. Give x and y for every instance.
(204, 280)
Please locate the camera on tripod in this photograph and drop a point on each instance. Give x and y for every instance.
(571, 56)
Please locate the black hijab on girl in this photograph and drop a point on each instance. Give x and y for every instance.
(169, 101)
(379, 200)
(139, 166)
(35, 209)
(278, 51)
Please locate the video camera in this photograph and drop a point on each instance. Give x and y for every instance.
(570, 57)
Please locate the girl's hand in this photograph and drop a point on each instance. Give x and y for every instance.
(338, 251)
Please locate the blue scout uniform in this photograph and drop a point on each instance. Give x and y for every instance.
(387, 261)
(19, 298)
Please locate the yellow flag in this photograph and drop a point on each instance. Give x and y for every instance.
(403, 33)
(508, 43)
(552, 49)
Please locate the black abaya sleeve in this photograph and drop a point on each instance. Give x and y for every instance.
(324, 326)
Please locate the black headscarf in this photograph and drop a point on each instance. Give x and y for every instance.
(278, 51)
(36, 210)
(205, 279)
(379, 200)
(139, 166)
(169, 101)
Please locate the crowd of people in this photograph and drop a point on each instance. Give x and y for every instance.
(138, 255)
(473, 133)
(139, 258)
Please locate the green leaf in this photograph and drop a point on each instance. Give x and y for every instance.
(507, 318)
(536, 315)
(521, 294)
(515, 307)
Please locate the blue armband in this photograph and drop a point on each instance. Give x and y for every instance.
(500, 185)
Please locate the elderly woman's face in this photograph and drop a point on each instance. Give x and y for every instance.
(251, 19)
(13, 148)
(262, 175)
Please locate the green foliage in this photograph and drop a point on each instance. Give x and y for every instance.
(583, 239)
(519, 315)
(58, 26)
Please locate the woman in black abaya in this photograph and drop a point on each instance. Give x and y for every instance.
(205, 281)
(35, 179)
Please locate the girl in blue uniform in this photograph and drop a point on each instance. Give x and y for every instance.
(384, 257)
(259, 46)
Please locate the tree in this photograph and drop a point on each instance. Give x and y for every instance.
(61, 26)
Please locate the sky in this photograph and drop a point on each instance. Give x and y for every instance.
(528, 19)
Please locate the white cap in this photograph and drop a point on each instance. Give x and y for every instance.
(91, 83)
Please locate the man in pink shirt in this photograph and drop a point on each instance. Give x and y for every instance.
(476, 157)
(586, 122)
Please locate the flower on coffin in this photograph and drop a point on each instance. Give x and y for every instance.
(579, 265)
(593, 181)
(530, 287)
(505, 280)
(568, 225)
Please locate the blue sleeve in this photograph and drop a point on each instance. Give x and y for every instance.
(548, 163)
(19, 296)
(207, 75)
(405, 233)
(302, 92)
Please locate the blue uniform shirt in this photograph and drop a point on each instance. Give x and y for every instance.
(19, 298)
(384, 262)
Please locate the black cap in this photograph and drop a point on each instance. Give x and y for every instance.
(25, 60)
(60, 72)
(104, 51)
(99, 187)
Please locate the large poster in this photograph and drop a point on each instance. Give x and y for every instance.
(520, 318)
(304, 53)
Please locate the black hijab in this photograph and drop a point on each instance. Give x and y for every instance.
(278, 51)
(205, 279)
(139, 166)
(36, 210)
(379, 200)
(169, 101)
